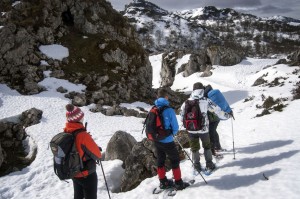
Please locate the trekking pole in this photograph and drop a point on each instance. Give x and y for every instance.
(189, 158)
(104, 179)
(232, 139)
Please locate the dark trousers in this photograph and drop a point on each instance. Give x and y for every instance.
(164, 150)
(86, 187)
(213, 135)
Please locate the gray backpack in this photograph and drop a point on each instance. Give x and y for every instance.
(66, 161)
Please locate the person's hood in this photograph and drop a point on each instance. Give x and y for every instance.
(197, 94)
(160, 102)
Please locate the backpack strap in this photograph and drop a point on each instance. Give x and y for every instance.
(74, 134)
(160, 111)
(77, 131)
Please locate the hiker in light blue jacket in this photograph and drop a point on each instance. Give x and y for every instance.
(217, 97)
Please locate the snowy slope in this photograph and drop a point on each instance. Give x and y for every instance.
(268, 144)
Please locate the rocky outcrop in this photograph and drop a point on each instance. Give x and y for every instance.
(140, 164)
(117, 110)
(294, 58)
(197, 63)
(201, 61)
(12, 133)
(168, 70)
(119, 146)
(2, 155)
(224, 56)
(104, 51)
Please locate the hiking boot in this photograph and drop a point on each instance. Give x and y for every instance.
(220, 149)
(213, 151)
(197, 167)
(179, 185)
(166, 184)
(210, 167)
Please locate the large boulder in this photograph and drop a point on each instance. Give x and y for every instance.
(119, 146)
(220, 55)
(294, 58)
(13, 156)
(168, 68)
(140, 164)
(197, 63)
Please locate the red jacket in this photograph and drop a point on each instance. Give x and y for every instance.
(86, 147)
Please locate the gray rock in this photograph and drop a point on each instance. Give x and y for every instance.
(31, 117)
(2, 155)
(140, 164)
(61, 90)
(12, 132)
(220, 55)
(119, 146)
(79, 100)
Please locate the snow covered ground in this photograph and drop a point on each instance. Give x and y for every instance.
(267, 145)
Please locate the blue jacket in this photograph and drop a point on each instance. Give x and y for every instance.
(169, 117)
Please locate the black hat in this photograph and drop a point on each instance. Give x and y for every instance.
(198, 85)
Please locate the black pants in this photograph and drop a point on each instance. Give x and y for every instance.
(167, 149)
(213, 135)
(86, 187)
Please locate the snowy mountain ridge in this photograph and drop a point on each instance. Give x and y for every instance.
(161, 30)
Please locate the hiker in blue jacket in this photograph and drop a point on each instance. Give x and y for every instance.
(217, 97)
(167, 147)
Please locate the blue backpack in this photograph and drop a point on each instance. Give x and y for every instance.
(218, 98)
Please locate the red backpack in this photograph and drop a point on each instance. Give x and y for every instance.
(154, 124)
(193, 120)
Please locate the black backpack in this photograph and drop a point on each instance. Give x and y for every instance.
(66, 160)
(154, 124)
(193, 120)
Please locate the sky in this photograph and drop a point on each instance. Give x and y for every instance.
(261, 8)
(265, 146)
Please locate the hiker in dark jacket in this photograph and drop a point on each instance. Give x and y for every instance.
(167, 147)
(205, 105)
(85, 182)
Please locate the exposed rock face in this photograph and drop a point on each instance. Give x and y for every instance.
(119, 146)
(201, 61)
(140, 164)
(294, 58)
(12, 133)
(223, 56)
(168, 70)
(105, 53)
(2, 155)
(197, 63)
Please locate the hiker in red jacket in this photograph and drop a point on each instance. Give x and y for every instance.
(85, 182)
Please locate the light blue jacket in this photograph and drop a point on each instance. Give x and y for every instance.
(169, 117)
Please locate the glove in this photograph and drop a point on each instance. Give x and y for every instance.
(231, 114)
(100, 148)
